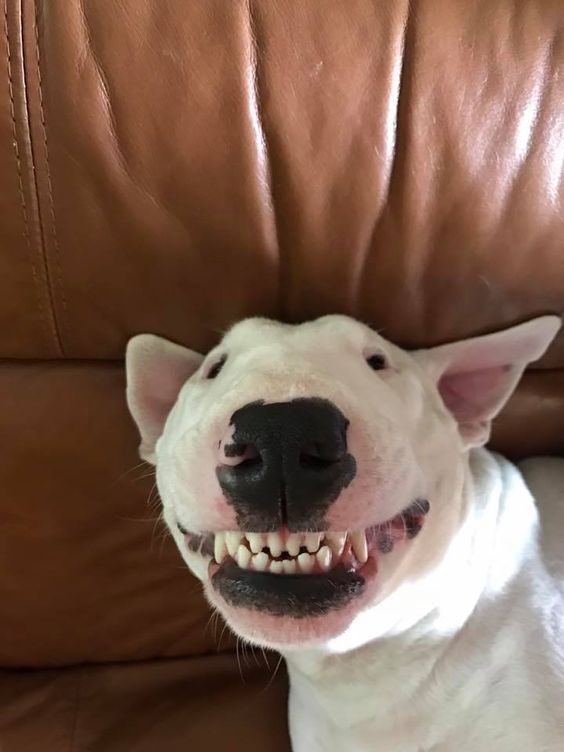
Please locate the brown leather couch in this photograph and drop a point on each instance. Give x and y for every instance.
(171, 167)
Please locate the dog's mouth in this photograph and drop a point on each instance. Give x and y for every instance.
(301, 574)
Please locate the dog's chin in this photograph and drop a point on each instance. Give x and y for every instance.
(290, 611)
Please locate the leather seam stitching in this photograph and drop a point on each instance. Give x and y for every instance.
(25, 218)
(56, 246)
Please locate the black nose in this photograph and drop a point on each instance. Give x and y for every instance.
(287, 462)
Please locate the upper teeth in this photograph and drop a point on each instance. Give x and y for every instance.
(304, 551)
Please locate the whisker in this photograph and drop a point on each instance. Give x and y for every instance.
(150, 474)
(273, 677)
(239, 660)
(124, 475)
(221, 636)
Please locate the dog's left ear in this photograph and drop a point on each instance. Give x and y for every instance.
(475, 377)
(156, 371)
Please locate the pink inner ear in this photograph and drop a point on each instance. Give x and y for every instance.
(156, 372)
(475, 395)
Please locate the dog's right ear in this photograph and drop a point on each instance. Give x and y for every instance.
(475, 377)
(156, 370)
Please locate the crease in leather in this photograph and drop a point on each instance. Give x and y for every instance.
(264, 148)
(27, 170)
(528, 125)
(120, 160)
(552, 73)
(402, 92)
(396, 126)
(415, 272)
(104, 90)
(76, 709)
(55, 272)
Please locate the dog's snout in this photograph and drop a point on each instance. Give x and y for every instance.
(285, 463)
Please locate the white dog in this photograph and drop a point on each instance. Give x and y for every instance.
(331, 492)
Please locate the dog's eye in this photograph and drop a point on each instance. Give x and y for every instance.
(215, 370)
(377, 362)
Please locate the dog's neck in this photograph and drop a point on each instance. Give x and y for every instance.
(488, 549)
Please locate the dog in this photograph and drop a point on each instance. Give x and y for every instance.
(333, 494)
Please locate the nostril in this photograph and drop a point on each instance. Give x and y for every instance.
(318, 456)
(240, 455)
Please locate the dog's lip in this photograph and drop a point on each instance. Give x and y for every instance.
(295, 596)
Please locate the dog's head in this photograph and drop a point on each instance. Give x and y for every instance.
(307, 472)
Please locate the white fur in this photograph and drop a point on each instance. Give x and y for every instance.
(482, 665)
(462, 648)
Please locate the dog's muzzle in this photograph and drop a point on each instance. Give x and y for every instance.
(285, 463)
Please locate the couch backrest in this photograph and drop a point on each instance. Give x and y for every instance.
(172, 167)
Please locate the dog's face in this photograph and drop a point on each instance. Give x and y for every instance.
(308, 472)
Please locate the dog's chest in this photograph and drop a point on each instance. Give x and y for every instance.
(459, 730)
(360, 705)
(475, 700)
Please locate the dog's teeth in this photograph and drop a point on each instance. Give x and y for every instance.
(232, 541)
(312, 541)
(359, 546)
(306, 563)
(293, 544)
(260, 562)
(274, 543)
(336, 542)
(256, 542)
(276, 567)
(324, 556)
(289, 566)
(243, 557)
(219, 547)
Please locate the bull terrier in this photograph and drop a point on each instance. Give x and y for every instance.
(333, 494)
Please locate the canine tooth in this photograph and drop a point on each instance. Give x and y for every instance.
(306, 562)
(219, 547)
(232, 540)
(324, 556)
(358, 539)
(293, 544)
(255, 542)
(260, 562)
(243, 557)
(276, 567)
(337, 542)
(312, 541)
(289, 566)
(274, 543)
